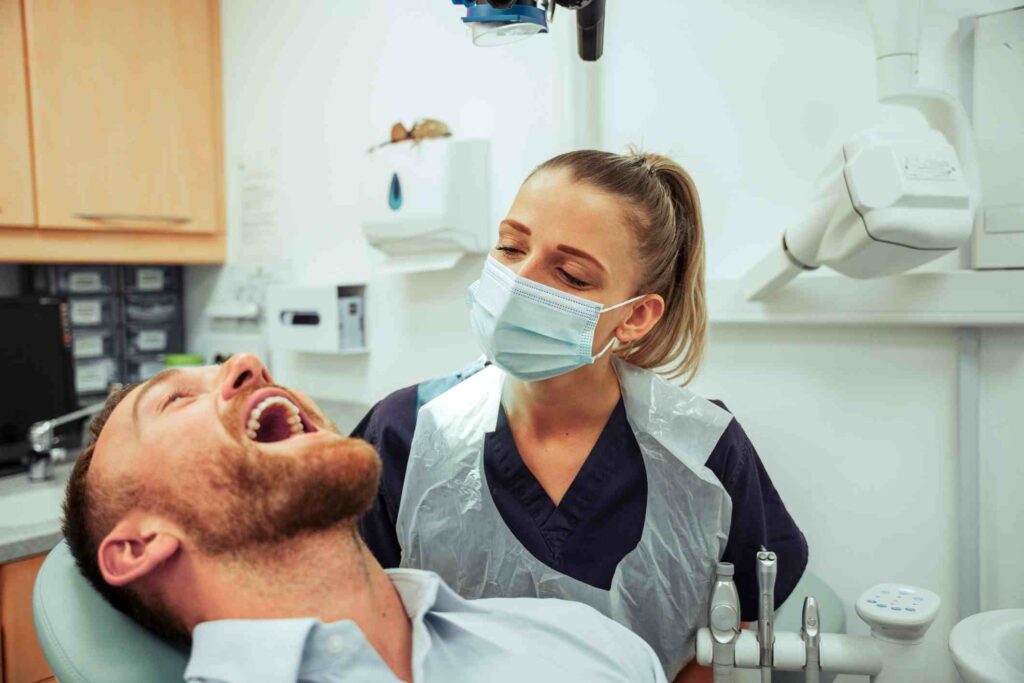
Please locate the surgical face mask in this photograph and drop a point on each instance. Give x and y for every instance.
(530, 330)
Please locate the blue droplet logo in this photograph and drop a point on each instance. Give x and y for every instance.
(395, 193)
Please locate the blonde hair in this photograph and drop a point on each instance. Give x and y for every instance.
(664, 212)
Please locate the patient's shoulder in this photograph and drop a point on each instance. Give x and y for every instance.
(581, 630)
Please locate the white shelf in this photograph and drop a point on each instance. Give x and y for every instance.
(962, 298)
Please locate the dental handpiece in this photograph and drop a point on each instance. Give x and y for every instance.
(810, 632)
(766, 571)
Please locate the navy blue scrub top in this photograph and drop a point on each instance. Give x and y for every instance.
(601, 517)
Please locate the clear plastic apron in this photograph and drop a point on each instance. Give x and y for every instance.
(448, 523)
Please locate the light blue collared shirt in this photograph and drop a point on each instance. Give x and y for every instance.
(507, 640)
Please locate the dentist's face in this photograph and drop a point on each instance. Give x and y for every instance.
(573, 237)
(232, 458)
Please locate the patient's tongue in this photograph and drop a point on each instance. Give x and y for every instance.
(274, 425)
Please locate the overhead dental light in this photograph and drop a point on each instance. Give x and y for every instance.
(501, 22)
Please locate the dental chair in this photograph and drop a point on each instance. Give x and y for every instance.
(85, 640)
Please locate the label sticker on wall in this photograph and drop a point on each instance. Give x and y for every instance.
(151, 340)
(86, 312)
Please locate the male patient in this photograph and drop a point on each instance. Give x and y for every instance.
(217, 508)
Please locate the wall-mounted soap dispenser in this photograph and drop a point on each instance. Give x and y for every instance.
(426, 204)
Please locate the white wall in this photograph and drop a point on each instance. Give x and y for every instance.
(856, 426)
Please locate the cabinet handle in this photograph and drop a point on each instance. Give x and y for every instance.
(131, 217)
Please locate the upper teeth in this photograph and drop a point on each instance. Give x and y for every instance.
(294, 421)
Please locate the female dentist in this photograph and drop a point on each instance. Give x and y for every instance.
(568, 466)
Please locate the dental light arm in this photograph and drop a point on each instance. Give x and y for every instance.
(889, 200)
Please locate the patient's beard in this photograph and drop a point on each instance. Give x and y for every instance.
(260, 499)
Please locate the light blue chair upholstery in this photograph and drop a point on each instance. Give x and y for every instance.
(85, 640)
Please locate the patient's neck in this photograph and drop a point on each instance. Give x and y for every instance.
(328, 574)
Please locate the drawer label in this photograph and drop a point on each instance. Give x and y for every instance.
(151, 340)
(92, 377)
(150, 368)
(85, 281)
(86, 312)
(149, 279)
(87, 346)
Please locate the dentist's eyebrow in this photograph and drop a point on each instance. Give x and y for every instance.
(162, 378)
(516, 225)
(581, 254)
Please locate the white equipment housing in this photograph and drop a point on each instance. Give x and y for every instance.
(890, 200)
(425, 204)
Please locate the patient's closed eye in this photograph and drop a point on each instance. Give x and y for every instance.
(174, 396)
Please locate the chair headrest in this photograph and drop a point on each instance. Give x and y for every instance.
(85, 640)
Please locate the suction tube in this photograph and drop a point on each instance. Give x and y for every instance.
(590, 31)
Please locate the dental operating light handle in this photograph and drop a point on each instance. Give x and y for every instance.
(766, 573)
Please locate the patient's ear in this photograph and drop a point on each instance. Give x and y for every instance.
(138, 545)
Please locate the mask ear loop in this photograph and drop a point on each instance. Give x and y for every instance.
(614, 340)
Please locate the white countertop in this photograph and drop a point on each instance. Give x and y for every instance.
(18, 541)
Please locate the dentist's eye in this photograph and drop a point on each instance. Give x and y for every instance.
(574, 281)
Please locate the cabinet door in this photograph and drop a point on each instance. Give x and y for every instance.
(126, 113)
(16, 201)
(22, 658)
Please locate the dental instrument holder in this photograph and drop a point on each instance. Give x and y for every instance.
(724, 619)
(810, 633)
(895, 636)
(766, 572)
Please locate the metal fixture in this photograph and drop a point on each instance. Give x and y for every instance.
(43, 441)
(724, 620)
(810, 633)
(766, 572)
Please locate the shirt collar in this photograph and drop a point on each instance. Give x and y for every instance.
(237, 649)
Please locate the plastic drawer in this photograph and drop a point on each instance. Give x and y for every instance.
(93, 311)
(95, 343)
(84, 279)
(147, 339)
(96, 375)
(152, 308)
(151, 279)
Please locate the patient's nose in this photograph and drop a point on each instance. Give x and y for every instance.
(242, 372)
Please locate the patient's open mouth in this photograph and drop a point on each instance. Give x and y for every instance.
(276, 418)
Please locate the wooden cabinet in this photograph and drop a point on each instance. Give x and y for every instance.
(21, 659)
(16, 204)
(124, 102)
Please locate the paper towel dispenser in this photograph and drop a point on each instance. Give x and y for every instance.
(426, 204)
(317, 318)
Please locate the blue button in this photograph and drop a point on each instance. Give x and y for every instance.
(872, 601)
(881, 605)
(897, 609)
(911, 609)
(918, 599)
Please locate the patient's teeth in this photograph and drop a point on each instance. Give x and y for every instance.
(250, 433)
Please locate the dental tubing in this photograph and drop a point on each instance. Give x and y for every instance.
(839, 653)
